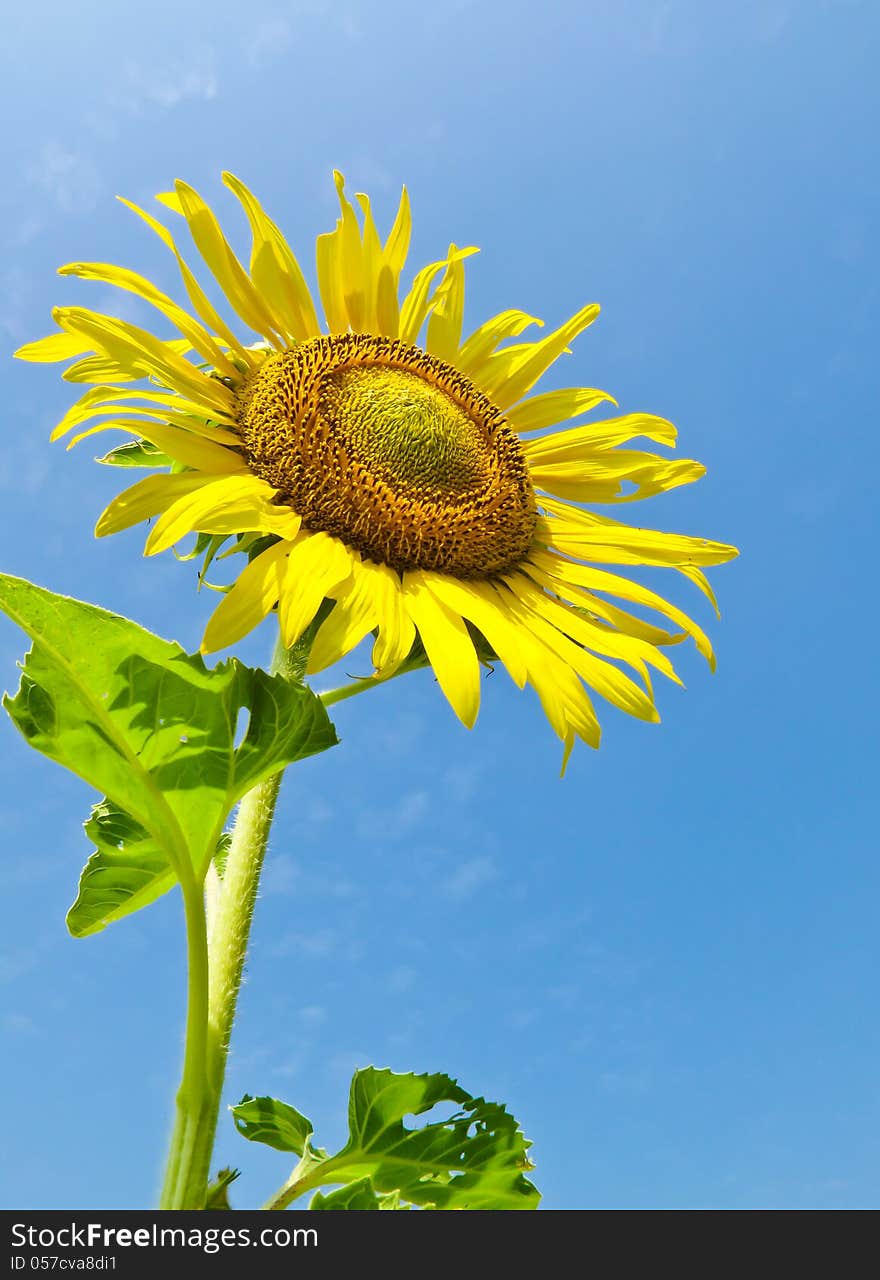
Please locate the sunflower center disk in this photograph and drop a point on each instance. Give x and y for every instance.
(392, 451)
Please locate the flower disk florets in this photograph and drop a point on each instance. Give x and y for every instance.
(392, 451)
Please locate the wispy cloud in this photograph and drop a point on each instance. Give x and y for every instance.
(18, 1024)
(470, 876)
(402, 979)
(272, 34)
(66, 177)
(174, 83)
(266, 41)
(284, 875)
(396, 821)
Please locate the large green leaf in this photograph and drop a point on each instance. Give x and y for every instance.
(151, 727)
(474, 1159)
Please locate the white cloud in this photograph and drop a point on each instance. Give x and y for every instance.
(172, 84)
(396, 821)
(313, 1014)
(19, 1023)
(403, 978)
(470, 876)
(318, 944)
(284, 875)
(633, 1083)
(266, 41)
(66, 178)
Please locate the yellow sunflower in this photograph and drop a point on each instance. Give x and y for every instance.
(388, 465)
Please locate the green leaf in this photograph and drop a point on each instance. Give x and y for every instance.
(272, 1122)
(357, 1195)
(127, 871)
(151, 727)
(135, 453)
(474, 1159)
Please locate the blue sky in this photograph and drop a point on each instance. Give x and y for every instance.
(666, 963)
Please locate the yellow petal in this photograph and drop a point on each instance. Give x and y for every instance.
(476, 351)
(197, 336)
(231, 504)
(351, 260)
(565, 571)
(100, 369)
(387, 308)
(587, 632)
(141, 424)
(620, 619)
(594, 537)
(274, 268)
(183, 446)
(565, 701)
(372, 264)
(144, 355)
(416, 305)
(158, 401)
(482, 605)
(354, 615)
(448, 645)
(224, 265)
(200, 302)
(600, 477)
(145, 499)
(397, 245)
(565, 446)
(317, 563)
(256, 590)
(330, 284)
(606, 679)
(699, 578)
(396, 630)
(512, 377)
(58, 346)
(342, 276)
(391, 261)
(108, 400)
(555, 406)
(444, 323)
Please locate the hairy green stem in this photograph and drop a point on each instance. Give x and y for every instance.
(218, 924)
(184, 1159)
(348, 690)
(217, 934)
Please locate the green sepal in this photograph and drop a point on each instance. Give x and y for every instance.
(135, 453)
(217, 1196)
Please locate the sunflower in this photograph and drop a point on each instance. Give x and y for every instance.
(388, 465)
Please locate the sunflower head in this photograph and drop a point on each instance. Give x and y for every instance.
(386, 463)
(393, 452)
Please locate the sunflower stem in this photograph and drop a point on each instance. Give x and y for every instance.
(348, 690)
(191, 1100)
(219, 914)
(413, 663)
(218, 924)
